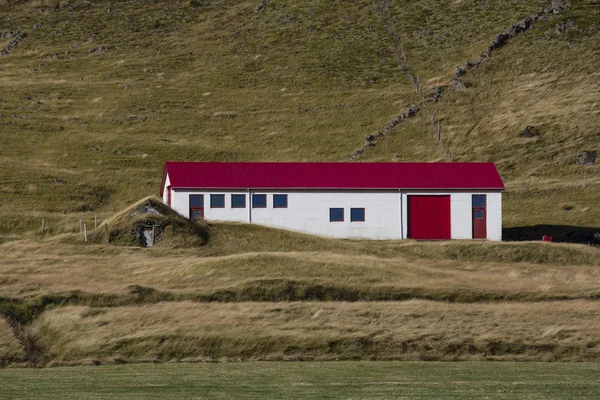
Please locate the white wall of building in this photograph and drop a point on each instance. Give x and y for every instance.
(386, 211)
(307, 211)
(494, 215)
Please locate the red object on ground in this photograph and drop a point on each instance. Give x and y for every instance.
(341, 175)
(429, 217)
(546, 238)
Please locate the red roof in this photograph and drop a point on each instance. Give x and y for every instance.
(328, 175)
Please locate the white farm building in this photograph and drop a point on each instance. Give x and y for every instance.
(425, 201)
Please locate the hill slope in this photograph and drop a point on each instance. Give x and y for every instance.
(99, 95)
(96, 96)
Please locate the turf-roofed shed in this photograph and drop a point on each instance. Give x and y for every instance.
(150, 222)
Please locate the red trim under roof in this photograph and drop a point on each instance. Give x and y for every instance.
(328, 175)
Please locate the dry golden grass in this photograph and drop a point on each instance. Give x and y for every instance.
(273, 331)
(348, 270)
(10, 348)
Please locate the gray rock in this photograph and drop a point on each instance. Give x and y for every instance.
(37, 26)
(457, 85)
(530, 132)
(586, 158)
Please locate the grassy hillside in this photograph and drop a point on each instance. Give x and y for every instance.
(308, 331)
(252, 293)
(331, 270)
(98, 95)
(101, 94)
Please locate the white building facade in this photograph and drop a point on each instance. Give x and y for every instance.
(367, 213)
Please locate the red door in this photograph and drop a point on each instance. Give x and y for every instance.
(479, 223)
(429, 217)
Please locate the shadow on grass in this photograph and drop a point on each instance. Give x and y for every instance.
(559, 233)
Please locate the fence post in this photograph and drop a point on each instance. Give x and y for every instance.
(106, 231)
(95, 221)
(43, 224)
(85, 231)
(80, 226)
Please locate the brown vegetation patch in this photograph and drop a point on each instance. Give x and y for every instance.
(292, 331)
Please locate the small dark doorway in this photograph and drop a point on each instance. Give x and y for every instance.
(479, 216)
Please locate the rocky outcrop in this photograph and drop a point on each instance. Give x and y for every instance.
(370, 140)
(263, 4)
(16, 36)
(556, 7)
(502, 39)
(586, 158)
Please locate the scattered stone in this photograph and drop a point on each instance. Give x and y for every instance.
(58, 181)
(118, 151)
(502, 39)
(530, 132)
(587, 158)
(132, 118)
(565, 27)
(263, 4)
(95, 150)
(558, 6)
(369, 141)
(37, 26)
(457, 85)
(75, 45)
(18, 37)
(357, 154)
(435, 96)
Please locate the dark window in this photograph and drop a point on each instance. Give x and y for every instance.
(196, 200)
(217, 201)
(357, 214)
(336, 215)
(238, 201)
(479, 200)
(197, 213)
(478, 214)
(259, 201)
(280, 201)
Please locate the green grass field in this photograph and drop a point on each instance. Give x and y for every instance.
(314, 380)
